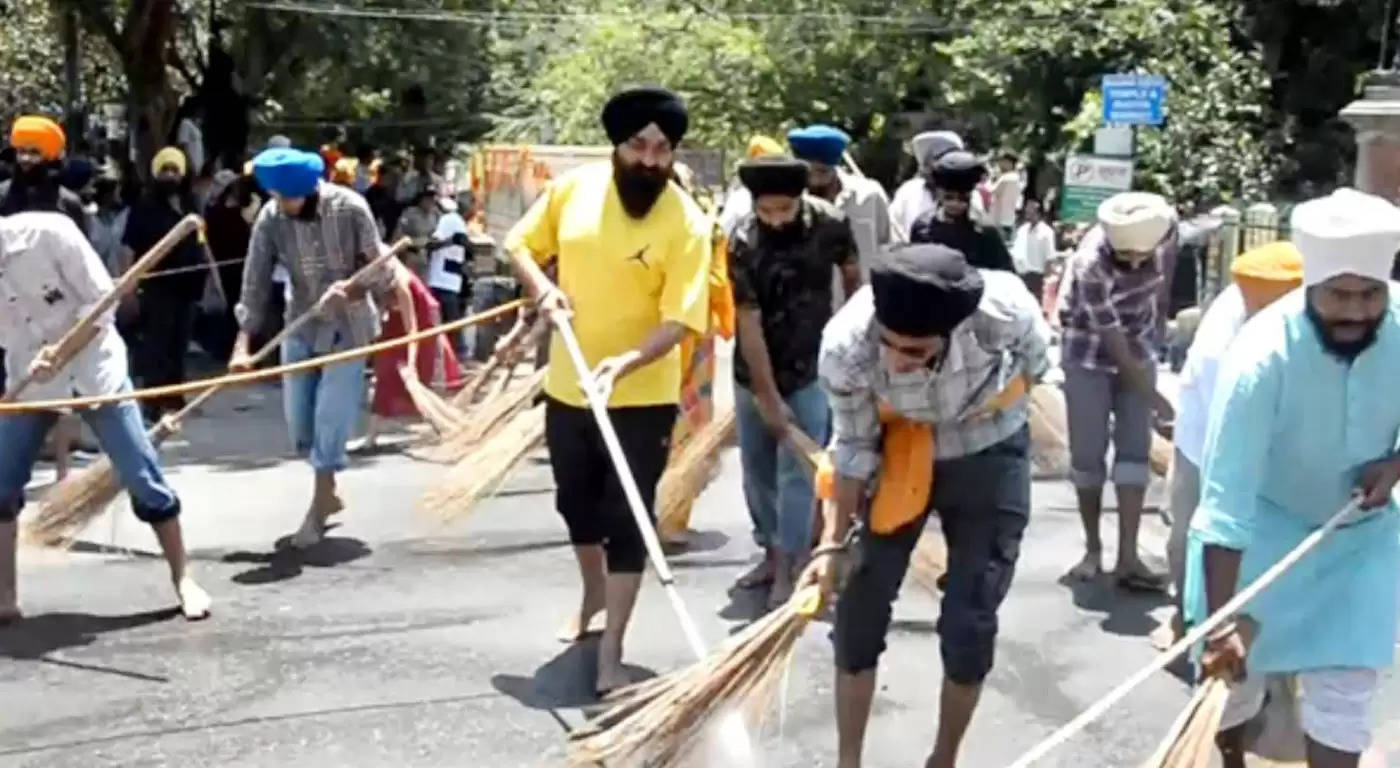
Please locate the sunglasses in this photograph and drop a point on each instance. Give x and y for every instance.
(918, 353)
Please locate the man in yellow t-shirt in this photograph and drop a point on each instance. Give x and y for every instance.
(633, 255)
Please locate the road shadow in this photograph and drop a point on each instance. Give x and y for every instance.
(697, 542)
(1125, 613)
(286, 562)
(566, 681)
(34, 638)
(745, 605)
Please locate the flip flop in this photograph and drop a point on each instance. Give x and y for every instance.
(1142, 583)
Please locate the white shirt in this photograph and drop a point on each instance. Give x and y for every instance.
(737, 204)
(49, 278)
(191, 139)
(1006, 195)
(1033, 247)
(445, 264)
(867, 208)
(1219, 326)
(912, 200)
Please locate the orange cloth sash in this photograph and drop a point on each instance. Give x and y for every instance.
(909, 450)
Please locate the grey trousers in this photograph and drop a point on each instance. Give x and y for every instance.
(1091, 397)
(1185, 495)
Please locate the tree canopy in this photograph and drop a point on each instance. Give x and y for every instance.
(1254, 84)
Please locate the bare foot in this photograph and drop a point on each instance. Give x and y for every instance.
(9, 613)
(581, 623)
(937, 761)
(311, 532)
(1088, 569)
(194, 601)
(781, 591)
(611, 675)
(334, 506)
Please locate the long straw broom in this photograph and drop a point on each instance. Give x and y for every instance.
(1194, 636)
(482, 471)
(81, 334)
(68, 506)
(663, 721)
(502, 355)
(486, 420)
(451, 418)
(688, 474)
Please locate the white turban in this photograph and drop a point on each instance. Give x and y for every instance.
(928, 145)
(1346, 233)
(1136, 221)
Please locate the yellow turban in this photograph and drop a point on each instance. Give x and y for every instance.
(762, 146)
(169, 156)
(40, 134)
(344, 171)
(1266, 273)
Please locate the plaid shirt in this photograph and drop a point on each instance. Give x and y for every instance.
(315, 253)
(1005, 338)
(1103, 297)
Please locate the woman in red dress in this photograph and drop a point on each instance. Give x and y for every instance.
(432, 359)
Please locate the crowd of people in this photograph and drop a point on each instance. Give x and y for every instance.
(905, 336)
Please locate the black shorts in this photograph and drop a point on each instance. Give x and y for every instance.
(588, 494)
(983, 503)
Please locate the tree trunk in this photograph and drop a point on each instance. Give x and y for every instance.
(151, 102)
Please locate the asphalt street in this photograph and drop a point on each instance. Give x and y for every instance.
(406, 640)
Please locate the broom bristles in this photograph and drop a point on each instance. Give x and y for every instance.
(659, 722)
(479, 474)
(689, 473)
(1191, 740)
(440, 415)
(67, 507)
(484, 421)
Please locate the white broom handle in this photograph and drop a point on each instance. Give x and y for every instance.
(629, 485)
(1184, 644)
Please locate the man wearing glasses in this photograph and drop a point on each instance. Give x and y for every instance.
(953, 178)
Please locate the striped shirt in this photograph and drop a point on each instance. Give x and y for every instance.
(316, 253)
(1005, 338)
(1105, 296)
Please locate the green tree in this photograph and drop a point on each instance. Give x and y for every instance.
(1031, 69)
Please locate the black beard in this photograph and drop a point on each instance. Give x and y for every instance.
(639, 186)
(786, 235)
(36, 175)
(1346, 351)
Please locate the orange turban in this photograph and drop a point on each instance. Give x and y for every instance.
(1266, 273)
(40, 134)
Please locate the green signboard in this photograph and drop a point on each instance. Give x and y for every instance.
(1089, 180)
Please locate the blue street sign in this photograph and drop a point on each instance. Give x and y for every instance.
(1133, 99)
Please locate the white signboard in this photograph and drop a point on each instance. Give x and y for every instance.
(1102, 172)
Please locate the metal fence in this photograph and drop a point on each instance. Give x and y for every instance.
(1259, 224)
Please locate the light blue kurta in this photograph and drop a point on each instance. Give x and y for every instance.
(1290, 428)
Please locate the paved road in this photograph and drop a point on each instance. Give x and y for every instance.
(405, 641)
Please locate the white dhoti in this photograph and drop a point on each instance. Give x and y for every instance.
(1334, 706)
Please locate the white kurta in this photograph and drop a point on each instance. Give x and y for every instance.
(50, 277)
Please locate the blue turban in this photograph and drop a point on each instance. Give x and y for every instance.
(819, 144)
(288, 172)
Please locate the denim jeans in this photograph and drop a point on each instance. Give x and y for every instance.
(322, 406)
(121, 434)
(776, 486)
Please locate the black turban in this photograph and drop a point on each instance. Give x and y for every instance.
(774, 175)
(633, 109)
(924, 290)
(958, 171)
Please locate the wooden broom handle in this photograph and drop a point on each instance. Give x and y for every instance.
(165, 427)
(86, 329)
